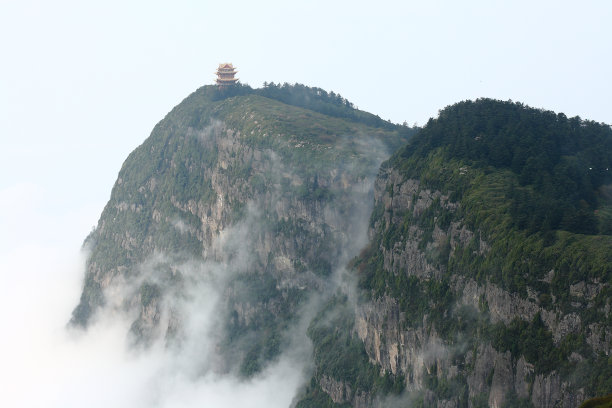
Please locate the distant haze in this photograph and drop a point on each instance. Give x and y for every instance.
(83, 83)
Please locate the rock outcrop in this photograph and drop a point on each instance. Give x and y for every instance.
(400, 346)
(272, 197)
(479, 284)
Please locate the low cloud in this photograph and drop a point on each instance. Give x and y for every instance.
(45, 364)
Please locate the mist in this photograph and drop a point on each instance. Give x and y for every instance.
(48, 363)
(45, 363)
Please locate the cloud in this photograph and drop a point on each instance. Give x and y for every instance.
(45, 364)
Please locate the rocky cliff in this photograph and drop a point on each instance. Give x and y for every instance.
(467, 305)
(463, 356)
(472, 269)
(265, 199)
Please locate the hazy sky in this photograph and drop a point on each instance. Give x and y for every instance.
(82, 83)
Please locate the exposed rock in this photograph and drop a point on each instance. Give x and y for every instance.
(546, 391)
(503, 379)
(599, 339)
(401, 348)
(448, 403)
(523, 373)
(480, 378)
(281, 213)
(570, 323)
(337, 390)
(586, 290)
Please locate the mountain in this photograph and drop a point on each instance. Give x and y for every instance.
(487, 275)
(263, 200)
(472, 268)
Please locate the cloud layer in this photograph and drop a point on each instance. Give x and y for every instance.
(46, 365)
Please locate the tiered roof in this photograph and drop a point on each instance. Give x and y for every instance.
(225, 74)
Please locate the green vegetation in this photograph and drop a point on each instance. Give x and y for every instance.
(163, 181)
(315, 397)
(599, 402)
(595, 373)
(148, 293)
(216, 154)
(560, 163)
(304, 139)
(532, 186)
(313, 99)
(446, 388)
(530, 339)
(340, 355)
(319, 100)
(500, 199)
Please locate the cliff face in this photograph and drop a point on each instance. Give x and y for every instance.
(466, 273)
(268, 199)
(467, 304)
(418, 351)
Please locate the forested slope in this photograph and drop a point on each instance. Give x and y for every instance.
(487, 278)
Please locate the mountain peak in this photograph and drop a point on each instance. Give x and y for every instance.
(472, 268)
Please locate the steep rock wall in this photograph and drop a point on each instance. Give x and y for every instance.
(403, 346)
(221, 187)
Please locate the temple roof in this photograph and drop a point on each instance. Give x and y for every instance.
(225, 74)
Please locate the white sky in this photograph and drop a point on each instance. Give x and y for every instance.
(82, 83)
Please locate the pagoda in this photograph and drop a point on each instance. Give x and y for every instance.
(225, 74)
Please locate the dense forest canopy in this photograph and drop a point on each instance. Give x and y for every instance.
(566, 163)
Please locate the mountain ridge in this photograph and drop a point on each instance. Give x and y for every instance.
(513, 311)
(455, 274)
(262, 190)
